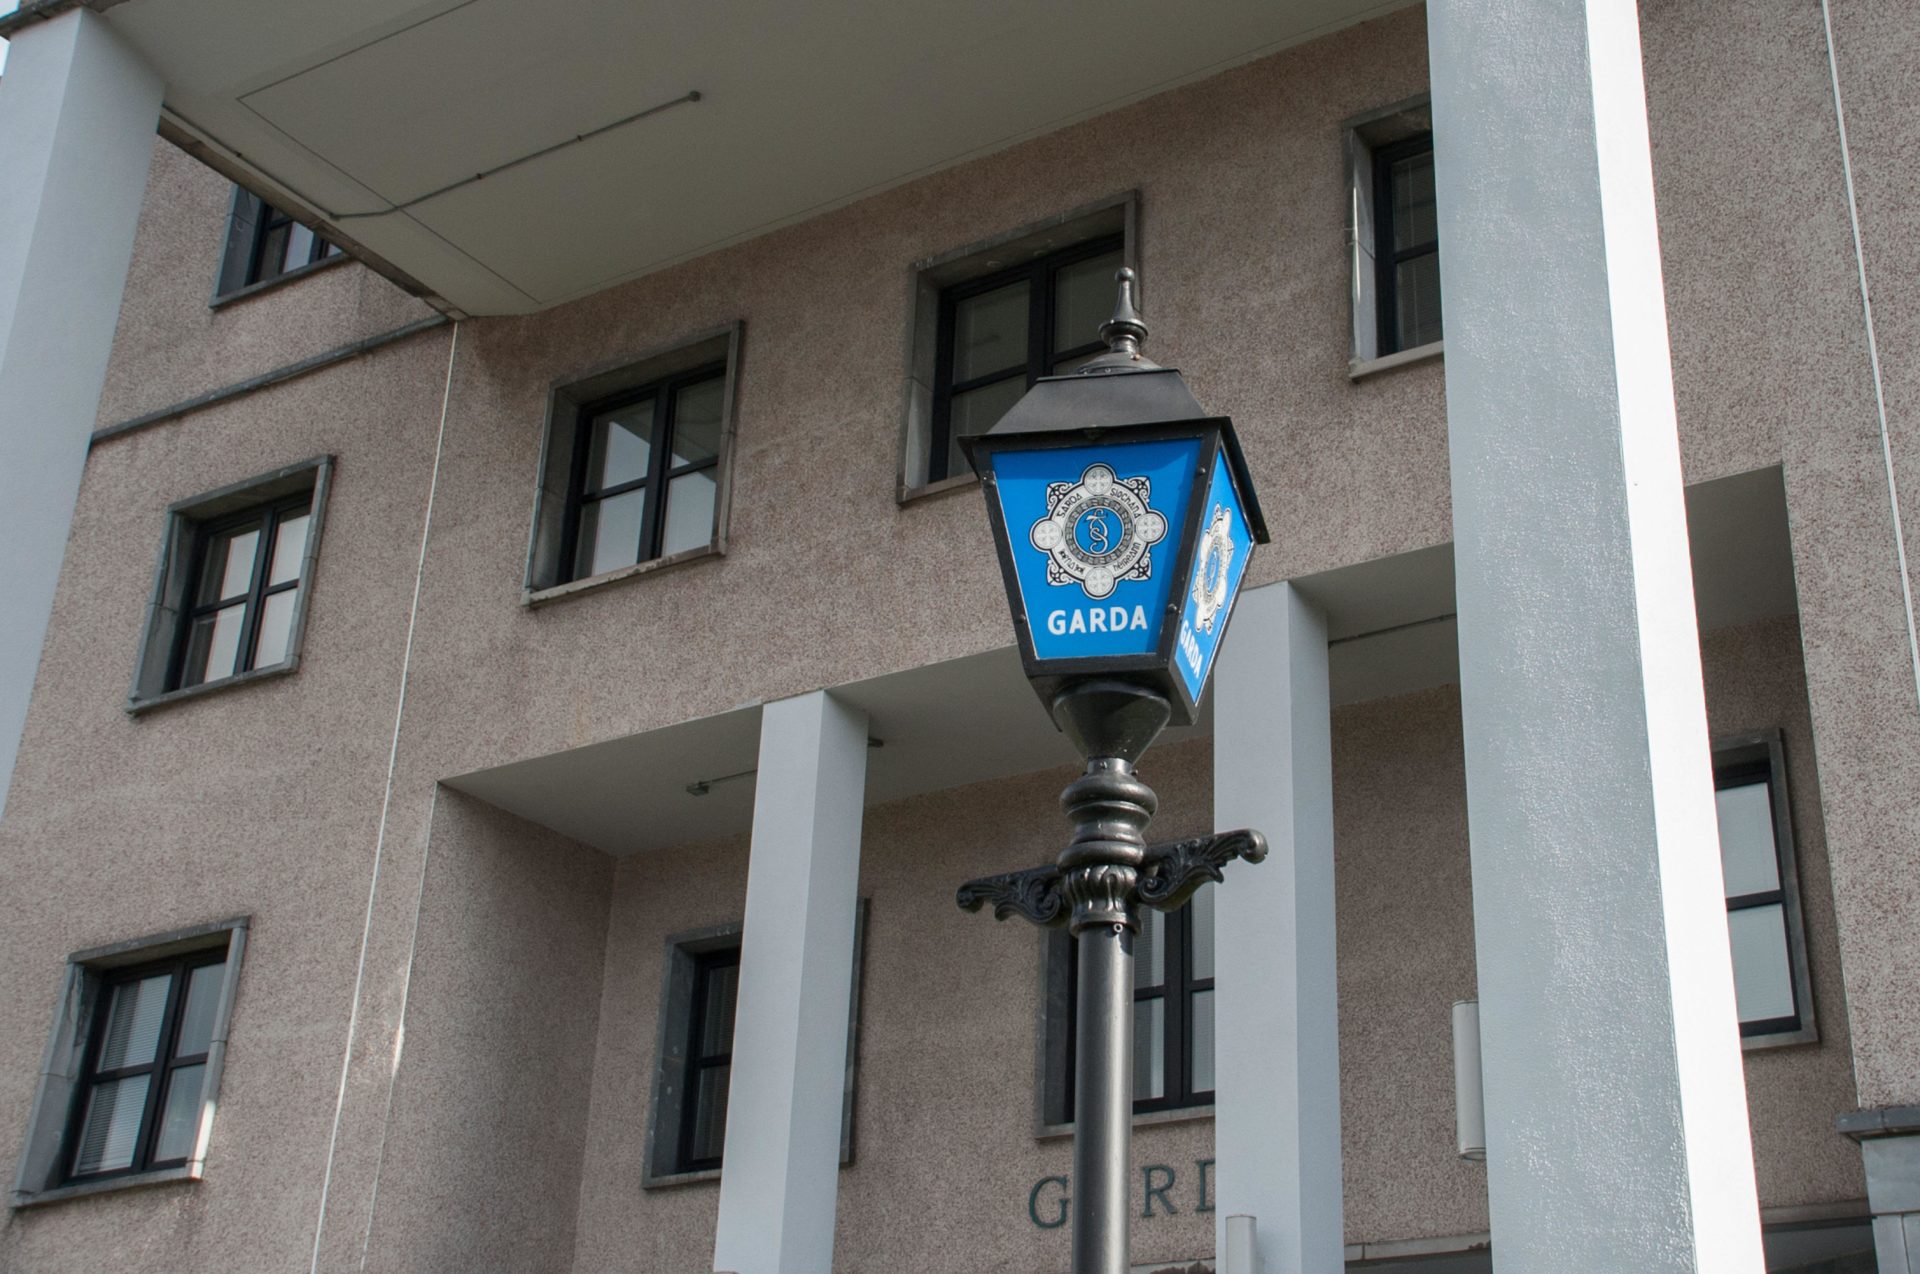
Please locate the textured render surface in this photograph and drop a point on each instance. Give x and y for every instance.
(260, 801)
(268, 800)
(483, 1149)
(171, 345)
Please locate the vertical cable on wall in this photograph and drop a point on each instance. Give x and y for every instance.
(1873, 347)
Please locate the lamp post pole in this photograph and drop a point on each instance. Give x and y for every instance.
(1112, 426)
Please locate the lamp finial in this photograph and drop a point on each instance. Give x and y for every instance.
(1126, 331)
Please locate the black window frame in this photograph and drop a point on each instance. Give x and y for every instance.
(704, 965)
(270, 516)
(180, 968)
(1386, 259)
(1177, 988)
(661, 471)
(270, 220)
(1039, 274)
(252, 224)
(1737, 762)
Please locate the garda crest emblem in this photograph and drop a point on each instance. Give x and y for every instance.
(1210, 570)
(1097, 531)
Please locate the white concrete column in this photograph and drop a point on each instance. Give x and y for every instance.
(780, 1173)
(1617, 1133)
(77, 115)
(1277, 1033)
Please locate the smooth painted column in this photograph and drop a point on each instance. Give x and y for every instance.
(1617, 1133)
(781, 1169)
(1277, 1033)
(78, 110)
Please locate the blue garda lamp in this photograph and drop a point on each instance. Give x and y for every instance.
(1124, 517)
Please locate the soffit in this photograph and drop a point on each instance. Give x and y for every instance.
(352, 106)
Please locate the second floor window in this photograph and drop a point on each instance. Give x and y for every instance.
(263, 244)
(1406, 245)
(645, 475)
(245, 587)
(1002, 332)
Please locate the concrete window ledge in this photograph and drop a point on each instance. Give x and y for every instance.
(1360, 369)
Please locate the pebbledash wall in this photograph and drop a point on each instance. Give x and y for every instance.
(492, 986)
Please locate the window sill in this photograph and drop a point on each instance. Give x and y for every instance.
(1779, 1039)
(679, 1179)
(80, 1189)
(536, 597)
(267, 285)
(1184, 1115)
(139, 705)
(1360, 369)
(908, 495)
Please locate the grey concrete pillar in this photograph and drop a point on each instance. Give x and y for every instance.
(77, 115)
(780, 1171)
(1277, 1033)
(1617, 1133)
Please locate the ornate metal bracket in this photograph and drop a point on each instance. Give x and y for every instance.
(1034, 894)
(1170, 875)
(1175, 871)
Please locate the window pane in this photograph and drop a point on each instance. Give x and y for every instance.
(1417, 300)
(1201, 1015)
(273, 251)
(111, 1128)
(299, 247)
(228, 572)
(1149, 1049)
(289, 546)
(1414, 219)
(1762, 977)
(689, 512)
(990, 332)
(710, 1112)
(696, 421)
(716, 1010)
(1150, 949)
(1748, 857)
(977, 411)
(213, 646)
(610, 533)
(133, 1022)
(276, 629)
(203, 997)
(180, 1114)
(1200, 927)
(1083, 297)
(620, 446)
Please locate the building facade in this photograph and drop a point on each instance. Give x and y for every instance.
(507, 715)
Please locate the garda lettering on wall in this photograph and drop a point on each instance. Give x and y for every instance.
(1050, 1201)
(1093, 532)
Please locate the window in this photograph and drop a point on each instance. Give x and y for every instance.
(133, 1065)
(1172, 1013)
(993, 317)
(635, 473)
(264, 244)
(644, 483)
(1393, 233)
(1406, 245)
(687, 1122)
(1001, 333)
(231, 595)
(1771, 985)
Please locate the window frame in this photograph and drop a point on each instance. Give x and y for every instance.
(553, 535)
(67, 1068)
(270, 517)
(171, 607)
(250, 222)
(661, 471)
(1040, 274)
(929, 277)
(1055, 1067)
(704, 966)
(1386, 258)
(1738, 760)
(668, 1116)
(1364, 137)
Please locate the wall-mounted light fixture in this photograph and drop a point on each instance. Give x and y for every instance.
(1469, 1099)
